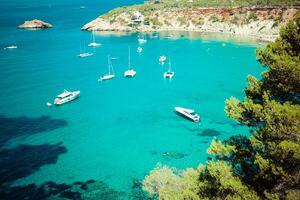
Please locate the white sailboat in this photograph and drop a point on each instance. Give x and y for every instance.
(84, 54)
(110, 74)
(169, 74)
(11, 47)
(130, 72)
(93, 43)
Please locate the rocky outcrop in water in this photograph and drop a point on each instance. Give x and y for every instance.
(35, 24)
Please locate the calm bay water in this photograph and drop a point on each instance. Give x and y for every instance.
(118, 130)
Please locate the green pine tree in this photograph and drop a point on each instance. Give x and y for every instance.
(264, 166)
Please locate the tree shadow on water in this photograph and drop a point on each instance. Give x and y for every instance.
(11, 128)
(24, 160)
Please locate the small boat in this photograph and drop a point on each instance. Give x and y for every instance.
(188, 113)
(83, 55)
(11, 47)
(162, 59)
(130, 72)
(169, 74)
(142, 40)
(48, 104)
(110, 74)
(93, 43)
(139, 49)
(66, 97)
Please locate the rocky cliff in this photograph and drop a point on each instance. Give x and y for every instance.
(259, 22)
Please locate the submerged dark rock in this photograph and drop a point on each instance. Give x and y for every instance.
(24, 160)
(52, 190)
(209, 133)
(137, 193)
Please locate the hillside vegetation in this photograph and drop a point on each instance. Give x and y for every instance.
(227, 16)
(265, 165)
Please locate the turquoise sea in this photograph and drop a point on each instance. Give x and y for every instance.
(117, 131)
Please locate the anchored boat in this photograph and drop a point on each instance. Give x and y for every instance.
(142, 40)
(11, 47)
(130, 72)
(169, 74)
(188, 113)
(94, 43)
(110, 74)
(83, 54)
(66, 97)
(162, 59)
(139, 49)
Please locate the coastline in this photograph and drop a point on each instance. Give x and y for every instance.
(261, 23)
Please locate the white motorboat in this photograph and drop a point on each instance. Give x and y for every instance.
(83, 55)
(188, 113)
(139, 49)
(110, 74)
(130, 72)
(162, 59)
(66, 97)
(94, 43)
(169, 74)
(11, 47)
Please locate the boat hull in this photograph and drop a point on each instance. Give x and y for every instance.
(83, 55)
(106, 77)
(186, 114)
(93, 44)
(168, 75)
(129, 73)
(74, 96)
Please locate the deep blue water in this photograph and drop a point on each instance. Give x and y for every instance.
(117, 131)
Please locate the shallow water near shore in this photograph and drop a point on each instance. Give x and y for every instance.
(118, 130)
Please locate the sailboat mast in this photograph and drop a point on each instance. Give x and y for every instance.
(169, 63)
(108, 60)
(129, 64)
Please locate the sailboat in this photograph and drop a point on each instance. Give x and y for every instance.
(11, 47)
(130, 72)
(84, 54)
(94, 44)
(169, 74)
(110, 74)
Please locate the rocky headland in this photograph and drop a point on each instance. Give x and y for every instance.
(261, 22)
(35, 24)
